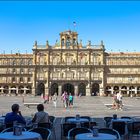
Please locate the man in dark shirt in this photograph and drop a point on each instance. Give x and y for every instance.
(15, 115)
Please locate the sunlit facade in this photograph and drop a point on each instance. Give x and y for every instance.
(70, 66)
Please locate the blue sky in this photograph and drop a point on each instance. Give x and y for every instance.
(117, 23)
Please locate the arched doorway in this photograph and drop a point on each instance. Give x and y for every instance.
(54, 89)
(116, 89)
(82, 89)
(14, 90)
(69, 88)
(95, 89)
(108, 90)
(124, 90)
(5, 89)
(138, 91)
(21, 90)
(41, 89)
(28, 90)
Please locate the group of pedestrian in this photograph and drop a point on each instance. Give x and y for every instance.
(67, 99)
(117, 101)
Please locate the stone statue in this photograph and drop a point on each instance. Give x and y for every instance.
(35, 43)
(89, 42)
(47, 42)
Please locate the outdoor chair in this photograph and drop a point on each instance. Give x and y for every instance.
(66, 118)
(136, 128)
(48, 126)
(85, 124)
(107, 121)
(92, 124)
(86, 117)
(121, 127)
(44, 132)
(73, 132)
(52, 119)
(65, 127)
(45, 125)
(126, 117)
(9, 125)
(110, 131)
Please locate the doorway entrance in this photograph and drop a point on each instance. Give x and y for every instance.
(54, 89)
(82, 89)
(41, 89)
(95, 89)
(69, 88)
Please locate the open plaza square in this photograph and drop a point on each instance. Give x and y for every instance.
(94, 106)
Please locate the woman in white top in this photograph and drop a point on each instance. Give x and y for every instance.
(119, 98)
(40, 116)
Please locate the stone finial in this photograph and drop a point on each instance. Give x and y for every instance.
(80, 41)
(35, 43)
(102, 43)
(89, 42)
(47, 43)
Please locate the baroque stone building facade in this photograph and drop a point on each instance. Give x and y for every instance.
(70, 66)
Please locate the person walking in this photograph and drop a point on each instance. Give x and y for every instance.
(119, 98)
(54, 99)
(70, 100)
(65, 99)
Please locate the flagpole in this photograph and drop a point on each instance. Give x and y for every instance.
(74, 26)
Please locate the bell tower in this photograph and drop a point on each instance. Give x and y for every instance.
(68, 40)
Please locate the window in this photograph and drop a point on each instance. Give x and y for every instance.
(14, 70)
(74, 42)
(21, 70)
(62, 42)
(21, 79)
(29, 79)
(13, 79)
(68, 42)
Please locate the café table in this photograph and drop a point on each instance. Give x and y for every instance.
(25, 136)
(89, 136)
(75, 120)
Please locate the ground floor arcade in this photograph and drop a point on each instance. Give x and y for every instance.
(74, 88)
(126, 90)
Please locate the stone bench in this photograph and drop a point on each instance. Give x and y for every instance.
(31, 104)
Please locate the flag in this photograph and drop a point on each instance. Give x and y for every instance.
(74, 23)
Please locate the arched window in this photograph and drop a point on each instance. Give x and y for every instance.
(74, 42)
(30, 62)
(68, 42)
(62, 42)
(21, 70)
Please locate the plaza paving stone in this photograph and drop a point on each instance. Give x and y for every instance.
(90, 106)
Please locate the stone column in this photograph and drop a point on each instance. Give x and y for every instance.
(60, 90)
(127, 90)
(88, 90)
(76, 90)
(112, 90)
(135, 91)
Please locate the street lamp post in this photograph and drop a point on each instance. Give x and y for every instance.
(131, 79)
